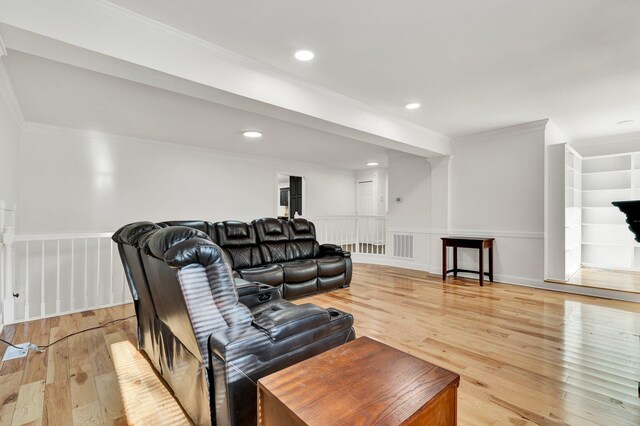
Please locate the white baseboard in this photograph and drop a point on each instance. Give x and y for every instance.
(73, 311)
(504, 279)
(375, 259)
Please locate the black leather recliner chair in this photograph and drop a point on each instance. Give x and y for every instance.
(128, 239)
(212, 347)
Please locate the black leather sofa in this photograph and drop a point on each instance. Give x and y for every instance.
(284, 254)
(209, 336)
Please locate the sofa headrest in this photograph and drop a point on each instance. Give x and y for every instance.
(236, 230)
(194, 250)
(163, 239)
(302, 229)
(130, 234)
(300, 225)
(235, 233)
(200, 225)
(272, 226)
(271, 230)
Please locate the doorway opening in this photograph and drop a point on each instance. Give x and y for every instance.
(371, 228)
(289, 196)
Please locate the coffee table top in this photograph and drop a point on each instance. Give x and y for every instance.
(361, 382)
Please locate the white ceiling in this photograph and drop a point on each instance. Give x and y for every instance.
(474, 65)
(59, 94)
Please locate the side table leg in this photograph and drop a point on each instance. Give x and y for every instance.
(444, 261)
(491, 263)
(455, 261)
(481, 265)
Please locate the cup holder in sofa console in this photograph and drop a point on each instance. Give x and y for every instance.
(334, 313)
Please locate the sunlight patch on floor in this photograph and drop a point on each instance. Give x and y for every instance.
(146, 400)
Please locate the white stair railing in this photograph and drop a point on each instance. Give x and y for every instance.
(358, 234)
(67, 273)
(47, 275)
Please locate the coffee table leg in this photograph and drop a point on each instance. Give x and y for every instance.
(481, 265)
(491, 263)
(444, 261)
(455, 261)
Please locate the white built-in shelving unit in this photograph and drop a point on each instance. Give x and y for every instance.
(573, 210)
(606, 239)
(563, 211)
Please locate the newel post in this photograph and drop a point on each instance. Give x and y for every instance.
(7, 235)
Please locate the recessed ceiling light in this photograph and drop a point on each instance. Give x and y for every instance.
(372, 163)
(412, 105)
(619, 123)
(304, 55)
(252, 134)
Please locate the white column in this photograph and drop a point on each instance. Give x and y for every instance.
(8, 236)
(440, 205)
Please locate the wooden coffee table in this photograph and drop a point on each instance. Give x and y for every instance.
(363, 382)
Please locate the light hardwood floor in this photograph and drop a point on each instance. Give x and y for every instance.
(526, 356)
(609, 279)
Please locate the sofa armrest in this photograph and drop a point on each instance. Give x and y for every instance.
(312, 324)
(280, 324)
(333, 250)
(252, 294)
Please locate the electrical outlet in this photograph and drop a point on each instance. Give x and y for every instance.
(14, 353)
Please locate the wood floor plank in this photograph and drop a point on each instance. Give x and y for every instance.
(29, 405)
(22, 335)
(9, 389)
(57, 404)
(7, 333)
(36, 364)
(88, 414)
(6, 414)
(110, 397)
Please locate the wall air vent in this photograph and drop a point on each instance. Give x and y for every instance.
(403, 246)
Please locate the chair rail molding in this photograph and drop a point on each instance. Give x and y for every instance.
(489, 232)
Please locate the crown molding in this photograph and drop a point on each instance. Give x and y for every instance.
(554, 135)
(518, 129)
(6, 90)
(609, 139)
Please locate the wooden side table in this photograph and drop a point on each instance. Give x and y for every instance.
(363, 382)
(467, 242)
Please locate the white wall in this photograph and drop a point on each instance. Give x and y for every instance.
(9, 149)
(76, 181)
(410, 181)
(497, 190)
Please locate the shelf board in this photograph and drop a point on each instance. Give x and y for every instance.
(609, 171)
(608, 189)
(607, 245)
(600, 207)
